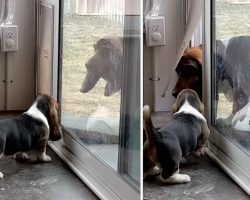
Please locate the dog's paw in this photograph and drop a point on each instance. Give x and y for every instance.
(152, 172)
(44, 158)
(21, 156)
(186, 178)
(200, 151)
(1, 175)
(156, 170)
(177, 179)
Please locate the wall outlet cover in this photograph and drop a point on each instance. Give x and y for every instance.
(9, 38)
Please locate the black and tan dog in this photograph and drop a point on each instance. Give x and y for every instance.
(31, 130)
(189, 71)
(232, 67)
(106, 63)
(186, 133)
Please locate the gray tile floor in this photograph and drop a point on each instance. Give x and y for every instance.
(208, 182)
(41, 181)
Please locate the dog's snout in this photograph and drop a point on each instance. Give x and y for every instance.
(83, 89)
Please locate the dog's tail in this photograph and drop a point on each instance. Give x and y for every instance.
(148, 125)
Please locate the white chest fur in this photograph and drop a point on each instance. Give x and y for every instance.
(188, 109)
(37, 114)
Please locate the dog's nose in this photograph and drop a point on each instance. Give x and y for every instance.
(83, 90)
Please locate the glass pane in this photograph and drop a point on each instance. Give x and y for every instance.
(96, 36)
(231, 61)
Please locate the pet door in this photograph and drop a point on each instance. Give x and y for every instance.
(45, 48)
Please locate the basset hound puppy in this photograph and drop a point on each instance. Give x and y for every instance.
(31, 130)
(186, 133)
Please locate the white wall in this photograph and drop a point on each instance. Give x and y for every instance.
(20, 65)
(166, 57)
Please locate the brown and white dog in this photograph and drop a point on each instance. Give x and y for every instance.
(187, 133)
(106, 63)
(189, 71)
(31, 130)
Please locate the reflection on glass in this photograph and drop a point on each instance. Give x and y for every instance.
(232, 70)
(93, 77)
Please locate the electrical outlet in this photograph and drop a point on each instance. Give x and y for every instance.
(155, 30)
(9, 39)
(9, 35)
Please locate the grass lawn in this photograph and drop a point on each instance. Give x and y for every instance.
(80, 33)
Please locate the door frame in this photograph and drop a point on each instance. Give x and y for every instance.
(233, 159)
(97, 175)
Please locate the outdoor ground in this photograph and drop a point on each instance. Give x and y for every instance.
(231, 17)
(80, 33)
(231, 21)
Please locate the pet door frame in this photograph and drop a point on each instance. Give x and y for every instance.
(50, 9)
(45, 47)
(231, 157)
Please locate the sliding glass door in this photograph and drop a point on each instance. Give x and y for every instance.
(99, 93)
(227, 78)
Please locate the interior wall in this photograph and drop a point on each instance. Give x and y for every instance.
(20, 65)
(2, 84)
(166, 58)
(147, 74)
(2, 64)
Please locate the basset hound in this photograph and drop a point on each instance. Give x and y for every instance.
(186, 133)
(31, 130)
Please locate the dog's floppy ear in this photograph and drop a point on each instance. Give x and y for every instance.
(174, 108)
(178, 103)
(201, 109)
(55, 132)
